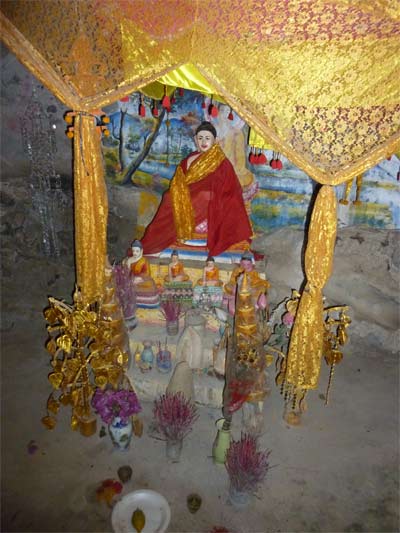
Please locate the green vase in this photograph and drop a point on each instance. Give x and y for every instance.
(222, 442)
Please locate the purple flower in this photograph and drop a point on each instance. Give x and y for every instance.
(110, 403)
(246, 465)
(125, 290)
(174, 415)
(171, 309)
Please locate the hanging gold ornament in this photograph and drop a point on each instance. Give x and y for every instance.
(83, 356)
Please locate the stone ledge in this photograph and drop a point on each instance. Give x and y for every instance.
(149, 385)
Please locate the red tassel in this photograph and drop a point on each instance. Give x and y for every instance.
(166, 102)
(279, 164)
(213, 110)
(262, 160)
(142, 110)
(203, 103)
(272, 163)
(181, 91)
(155, 111)
(250, 158)
(230, 116)
(124, 99)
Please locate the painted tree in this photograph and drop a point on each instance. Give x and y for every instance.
(149, 137)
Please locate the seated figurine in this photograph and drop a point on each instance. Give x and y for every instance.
(258, 286)
(210, 274)
(176, 272)
(139, 267)
(205, 201)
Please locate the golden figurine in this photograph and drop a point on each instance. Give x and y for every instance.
(258, 287)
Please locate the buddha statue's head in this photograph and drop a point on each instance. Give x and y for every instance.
(205, 136)
(137, 250)
(210, 262)
(246, 261)
(174, 257)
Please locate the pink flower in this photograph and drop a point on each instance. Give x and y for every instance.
(288, 319)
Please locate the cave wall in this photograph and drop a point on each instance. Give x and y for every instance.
(367, 253)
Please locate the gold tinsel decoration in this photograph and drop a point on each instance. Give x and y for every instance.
(84, 356)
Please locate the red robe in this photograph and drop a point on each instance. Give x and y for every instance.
(217, 198)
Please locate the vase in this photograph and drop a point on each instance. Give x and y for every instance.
(173, 450)
(222, 442)
(164, 363)
(120, 433)
(172, 327)
(147, 357)
(239, 498)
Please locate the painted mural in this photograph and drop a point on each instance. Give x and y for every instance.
(143, 151)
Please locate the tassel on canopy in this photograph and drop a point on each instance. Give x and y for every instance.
(306, 341)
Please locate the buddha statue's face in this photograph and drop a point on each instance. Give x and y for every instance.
(174, 259)
(137, 253)
(247, 264)
(204, 140)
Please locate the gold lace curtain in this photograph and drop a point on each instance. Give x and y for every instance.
(317, 79)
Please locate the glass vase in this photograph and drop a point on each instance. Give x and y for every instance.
(172, 327)
(239, 498)
(120, 433)
(173, 450)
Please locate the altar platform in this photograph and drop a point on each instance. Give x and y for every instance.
(194, 259)
(149, 385)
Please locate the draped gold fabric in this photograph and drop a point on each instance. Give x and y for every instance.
(182, 207)
(306, 341)
(316, 79)
(91, 209)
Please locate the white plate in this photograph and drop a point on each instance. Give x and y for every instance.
(154, 505)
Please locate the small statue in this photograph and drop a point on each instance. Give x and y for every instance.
(138, 265)
(139, 268)
(210, 274)
(176, 272)
(258, 286)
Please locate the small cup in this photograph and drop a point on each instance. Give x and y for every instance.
(193, 502)
(124, 473)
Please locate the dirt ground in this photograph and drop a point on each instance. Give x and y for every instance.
(336, 472)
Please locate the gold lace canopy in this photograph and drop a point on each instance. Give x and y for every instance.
(317, 79)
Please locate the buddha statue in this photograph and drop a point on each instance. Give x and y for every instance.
(139, 268)
(204, 201)
(210, 274)
(176, 271)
